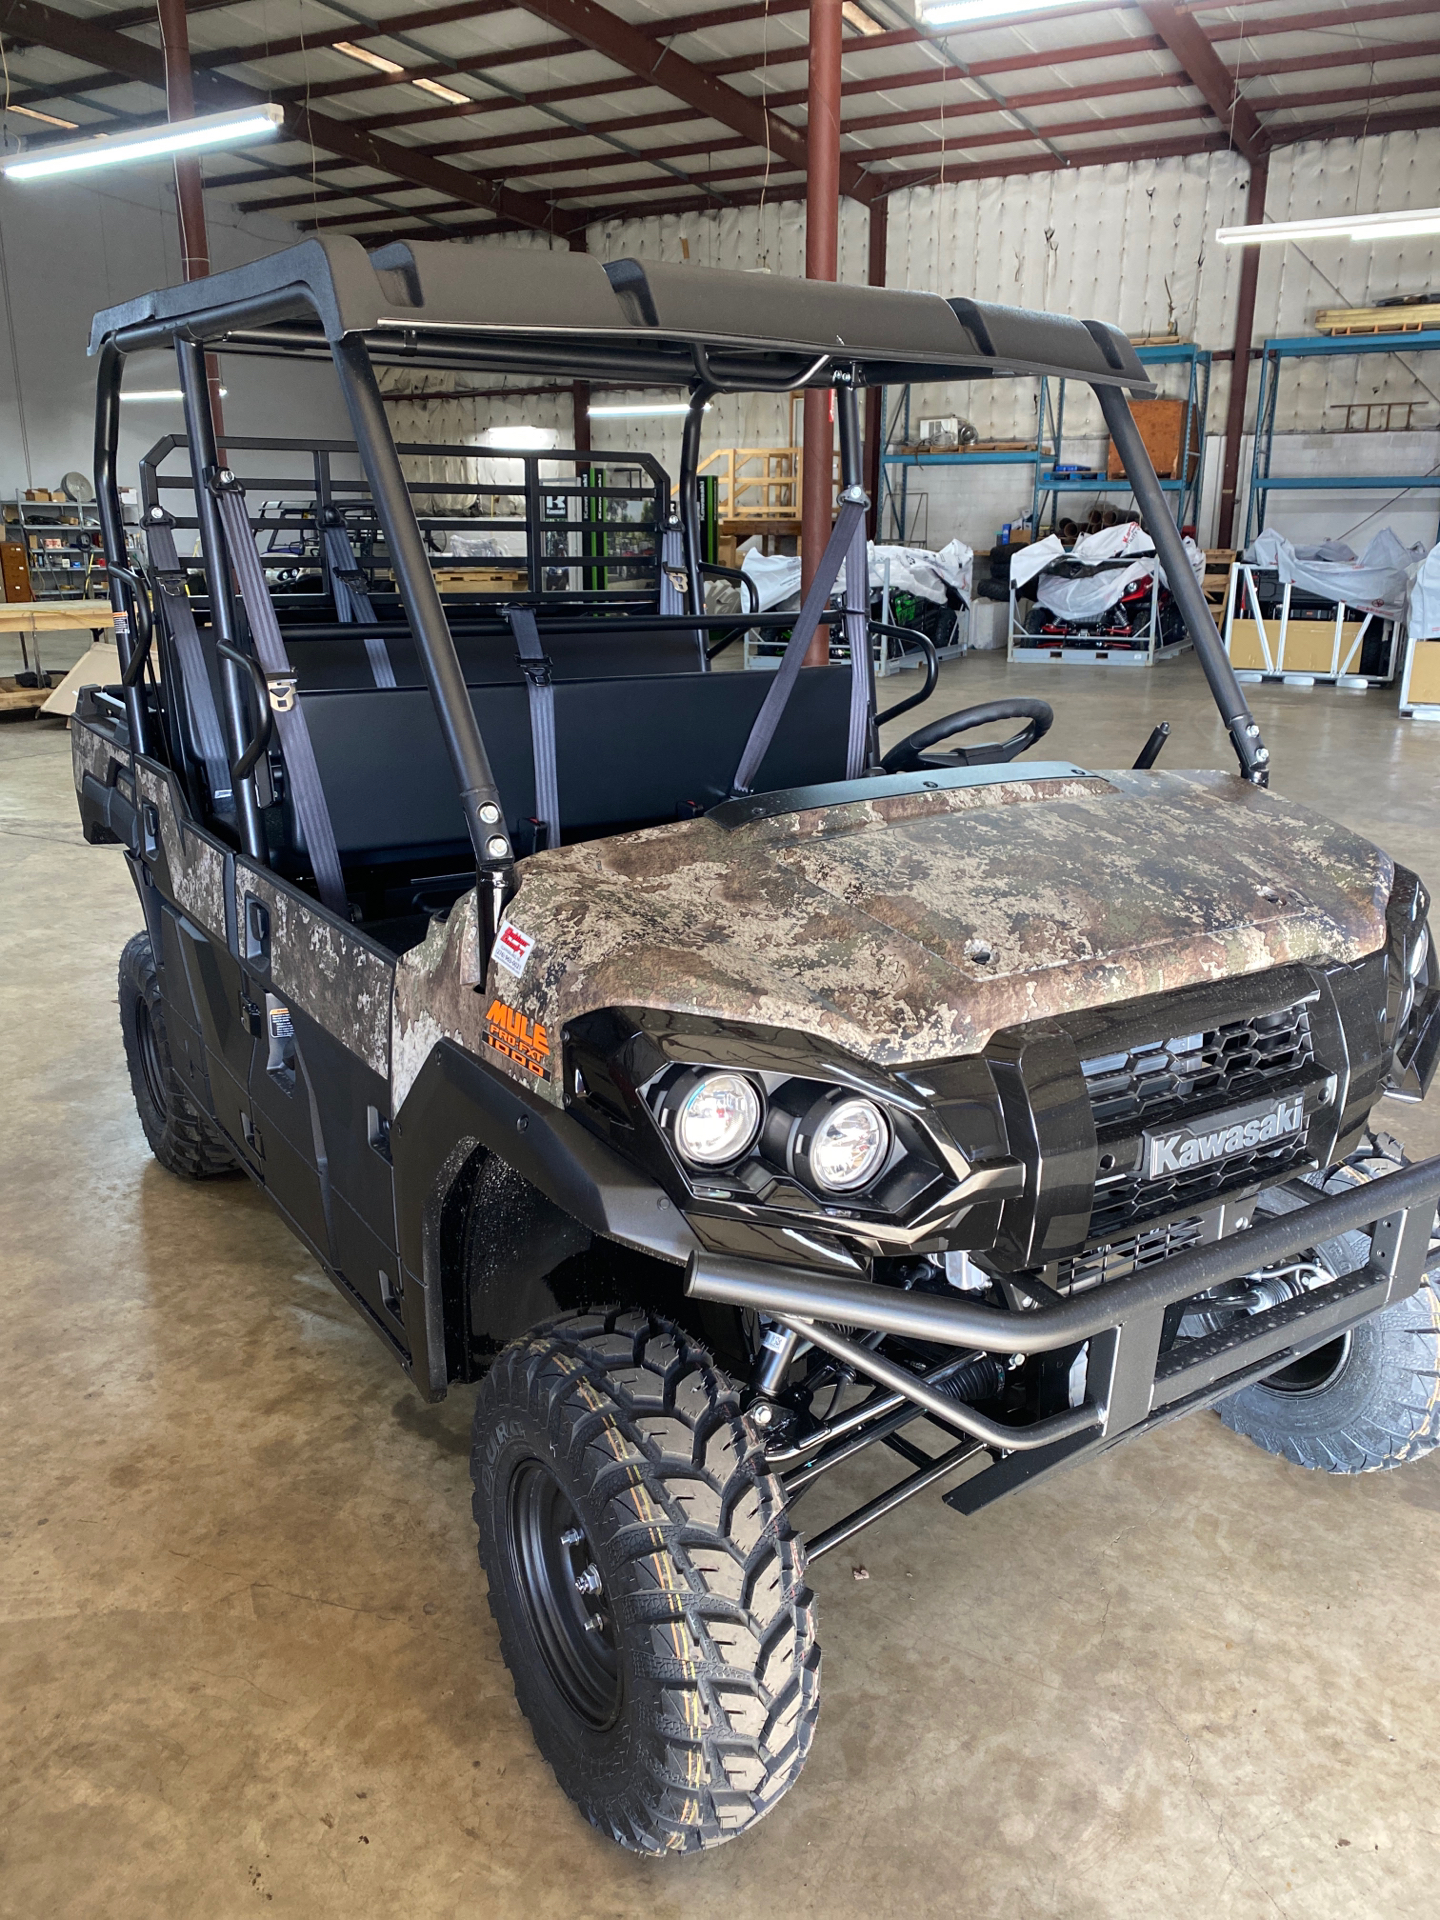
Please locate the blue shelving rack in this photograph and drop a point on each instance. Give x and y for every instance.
(1263, 482)
(1043, 457)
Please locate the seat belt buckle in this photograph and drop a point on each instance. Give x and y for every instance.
(281, 688)
(170, 579)
(678, 579)
(354, 578)
(539, 671)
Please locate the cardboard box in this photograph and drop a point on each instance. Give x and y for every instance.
(1425, 674)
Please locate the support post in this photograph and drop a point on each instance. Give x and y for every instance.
(430, 629)
(822, 223)
(874, 396)
(1240, 364)
(189, 186)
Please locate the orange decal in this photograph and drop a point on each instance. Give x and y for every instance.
(520, 1039)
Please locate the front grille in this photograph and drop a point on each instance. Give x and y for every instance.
(1163, 1080)
(1118, 1259)
(1163, 1083)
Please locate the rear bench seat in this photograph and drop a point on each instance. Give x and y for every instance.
(632, 751)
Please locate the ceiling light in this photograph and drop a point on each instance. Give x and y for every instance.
(181, 136)
(33, 113)
(444, 93)
(631, 413)
(164, 393)
(857, 17)
(376, 60)
(951, 13)
(1402, 225)
(519, 439)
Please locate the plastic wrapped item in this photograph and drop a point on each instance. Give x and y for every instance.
(1425, 598)
(1378, 582)
(929, 576)
(1085, 597)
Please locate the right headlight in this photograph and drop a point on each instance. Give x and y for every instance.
(849, 1145)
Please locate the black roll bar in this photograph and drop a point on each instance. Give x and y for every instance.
(1240, 723)
(112, 528)
(204, 464)
(479, 795)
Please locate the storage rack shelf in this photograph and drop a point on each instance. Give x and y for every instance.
(1184, 490)
(1309, 347)
(61, 542)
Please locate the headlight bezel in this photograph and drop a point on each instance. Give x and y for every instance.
(622, 1066)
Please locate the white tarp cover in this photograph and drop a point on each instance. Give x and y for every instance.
(911, 570)
(1087, 598)
(1378, 582)
(1425, 598)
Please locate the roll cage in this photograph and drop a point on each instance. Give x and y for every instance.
(569, 317)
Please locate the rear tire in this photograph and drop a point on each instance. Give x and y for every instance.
(648, 1588)
(1371, 1399)
(183, 1139)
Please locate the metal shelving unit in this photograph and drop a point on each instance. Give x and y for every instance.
(1320, 346)
(1047, 490)
(62, 546)
(1183, 491)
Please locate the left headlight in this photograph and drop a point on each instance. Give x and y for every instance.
(716, 1117)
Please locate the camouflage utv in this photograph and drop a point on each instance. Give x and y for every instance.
(628, 1036)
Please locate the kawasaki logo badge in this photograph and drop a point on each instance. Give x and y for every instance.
(1239, 1131)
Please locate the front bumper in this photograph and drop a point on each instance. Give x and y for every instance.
(1132, 1382)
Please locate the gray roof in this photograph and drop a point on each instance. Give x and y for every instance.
(488, 298)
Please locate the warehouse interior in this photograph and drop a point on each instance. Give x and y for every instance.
(249, 1657)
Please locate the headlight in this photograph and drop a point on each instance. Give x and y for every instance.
(849, 1146)
(717, 1119)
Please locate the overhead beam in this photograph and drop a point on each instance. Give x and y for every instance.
(1199, 61)
(606, 33)
(119, 53)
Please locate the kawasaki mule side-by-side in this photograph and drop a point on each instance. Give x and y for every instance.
(627, 1034)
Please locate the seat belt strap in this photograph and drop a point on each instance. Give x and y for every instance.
(837, 550)
(536, 666)
(857, 633)
(352, 596)
(206, 732)
(311, 808)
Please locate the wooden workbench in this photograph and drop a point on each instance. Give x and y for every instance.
(31, 618)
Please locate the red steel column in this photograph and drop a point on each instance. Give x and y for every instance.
(1240, 365)
(189, 191)
(822, 229)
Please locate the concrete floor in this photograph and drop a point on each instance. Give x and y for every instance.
(246, 1661)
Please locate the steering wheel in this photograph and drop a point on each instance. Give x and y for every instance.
(911, 755)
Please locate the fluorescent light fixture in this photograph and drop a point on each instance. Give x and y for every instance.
(164, 393)
(954, 13)
(364, 55)
(50, 119)
(181, 136)
(518, 439)
(857, 17)
(634, 413)
(1405, 224)
(443, 93)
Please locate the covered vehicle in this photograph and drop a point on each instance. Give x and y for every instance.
(632, 1038)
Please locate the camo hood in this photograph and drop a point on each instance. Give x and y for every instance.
(910, 929)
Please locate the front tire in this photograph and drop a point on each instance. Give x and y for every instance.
(1369, 1400)
(182, 1138)
(648, 1588)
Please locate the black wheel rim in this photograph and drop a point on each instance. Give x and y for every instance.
(148, 1042)
(1313, 1372)
(563, 1594)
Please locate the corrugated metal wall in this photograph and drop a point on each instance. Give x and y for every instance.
(1129, 243)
